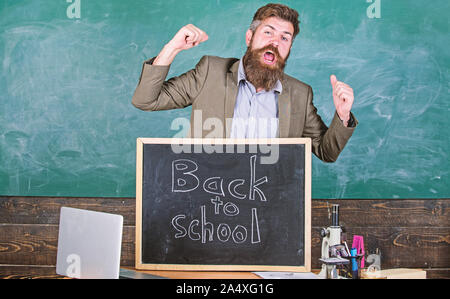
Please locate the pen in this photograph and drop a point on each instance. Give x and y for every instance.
(354, 264)
(346, 247)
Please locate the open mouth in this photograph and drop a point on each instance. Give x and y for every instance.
(269, 57)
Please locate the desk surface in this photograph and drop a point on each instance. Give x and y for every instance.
(204, 274)
(200, 274)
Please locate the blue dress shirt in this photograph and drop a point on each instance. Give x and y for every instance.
(255, 113)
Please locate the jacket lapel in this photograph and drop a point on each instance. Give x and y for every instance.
(231, 92)
(284, 108)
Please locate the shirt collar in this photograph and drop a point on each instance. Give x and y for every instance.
(241, 76)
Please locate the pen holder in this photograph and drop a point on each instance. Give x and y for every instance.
(358, 244)
(347, 271)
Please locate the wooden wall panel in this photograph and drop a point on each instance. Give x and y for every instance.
(410, 233)
(45, 210)
(385, 213)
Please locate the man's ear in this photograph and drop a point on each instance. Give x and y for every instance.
(248, 37)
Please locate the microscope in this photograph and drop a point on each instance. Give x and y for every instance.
(331, 241)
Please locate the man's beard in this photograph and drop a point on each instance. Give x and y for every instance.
(263, 75)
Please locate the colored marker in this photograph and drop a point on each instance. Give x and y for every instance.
(354, 264)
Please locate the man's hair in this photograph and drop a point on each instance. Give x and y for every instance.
(276, 10)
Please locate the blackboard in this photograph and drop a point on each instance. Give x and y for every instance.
(68, 128)
(223, 204)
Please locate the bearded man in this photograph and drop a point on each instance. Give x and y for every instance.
(250, 97)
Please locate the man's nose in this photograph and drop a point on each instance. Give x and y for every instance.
(275, 42)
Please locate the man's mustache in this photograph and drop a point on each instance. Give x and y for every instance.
(272, 49)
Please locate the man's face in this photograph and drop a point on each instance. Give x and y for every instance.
(275, 32)
(267, 51)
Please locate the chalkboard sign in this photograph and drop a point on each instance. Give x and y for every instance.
(223, 204)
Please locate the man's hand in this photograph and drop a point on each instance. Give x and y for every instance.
(187, 37)
(342, 98)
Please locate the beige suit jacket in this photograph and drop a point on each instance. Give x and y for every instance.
(211, 88)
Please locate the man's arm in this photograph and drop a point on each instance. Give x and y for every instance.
(327, 143)
(186, 38)
(153, 92)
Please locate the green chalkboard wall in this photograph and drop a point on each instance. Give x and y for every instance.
(67, 126)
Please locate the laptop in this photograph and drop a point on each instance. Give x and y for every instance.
(89, 244)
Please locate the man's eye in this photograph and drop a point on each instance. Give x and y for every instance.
(284, 38)
(267, 32)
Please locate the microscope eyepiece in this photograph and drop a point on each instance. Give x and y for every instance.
(335, 215)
